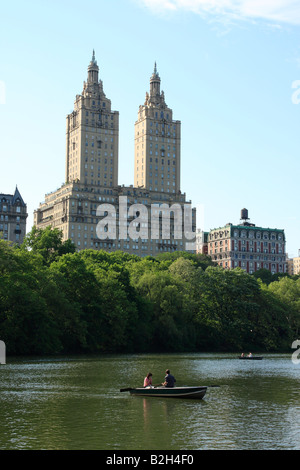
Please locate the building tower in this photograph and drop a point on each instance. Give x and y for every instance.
(157, 143)
(92, 135)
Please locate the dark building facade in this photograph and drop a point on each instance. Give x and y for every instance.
(13, 216)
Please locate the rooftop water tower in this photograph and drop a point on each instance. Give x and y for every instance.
(245, 218)
(244, 215)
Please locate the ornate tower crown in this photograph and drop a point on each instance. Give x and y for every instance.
(154, 83)
(155, 74)
(93, 70)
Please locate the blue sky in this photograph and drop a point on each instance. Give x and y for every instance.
(227, 68)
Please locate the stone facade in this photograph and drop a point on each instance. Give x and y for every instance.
(92, 136)
(201, 242)
(293, 266)
(157, 143)
(13, 216)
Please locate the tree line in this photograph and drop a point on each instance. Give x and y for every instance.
(56, 300)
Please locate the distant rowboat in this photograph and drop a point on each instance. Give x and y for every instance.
(173, 392)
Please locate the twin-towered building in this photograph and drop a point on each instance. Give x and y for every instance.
(91, 209)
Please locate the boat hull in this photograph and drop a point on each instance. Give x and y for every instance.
(174, 392)
(254, 358)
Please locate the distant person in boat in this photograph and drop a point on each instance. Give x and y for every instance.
(242, 355)
(250, 355)
(169, 379)
(148, 380)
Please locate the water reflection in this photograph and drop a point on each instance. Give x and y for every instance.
(147, 412)
(75, 403)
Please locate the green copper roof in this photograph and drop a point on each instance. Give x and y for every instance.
(247, 227)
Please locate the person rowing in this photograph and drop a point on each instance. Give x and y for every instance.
(169, 379)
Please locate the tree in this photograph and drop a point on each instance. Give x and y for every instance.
(48, 243)
(264, 274)
(27, 326)
(53, 299)
(199, 260)
(287, 290)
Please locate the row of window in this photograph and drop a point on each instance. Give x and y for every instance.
(143, 241)
(98, 183)
(156, 166)
(258, 235)
(162, 140)
(100, 115)
(124, 246)
(5, 227)
(98, 103)
(163, 125)
(248, 234)
(9, 208)
(243, 242)
(156, 183)
(250, 256)
(162, 190)
(5, 236)
(260, 265)
(5, 218)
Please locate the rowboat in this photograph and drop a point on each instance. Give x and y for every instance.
(172, 392)
(253, 358)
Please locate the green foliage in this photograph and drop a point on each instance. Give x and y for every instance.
(27, 323)
(267, 277)
(47, 243)
(287, 291)
(55, 300)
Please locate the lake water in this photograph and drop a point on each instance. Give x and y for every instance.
(75, 403)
